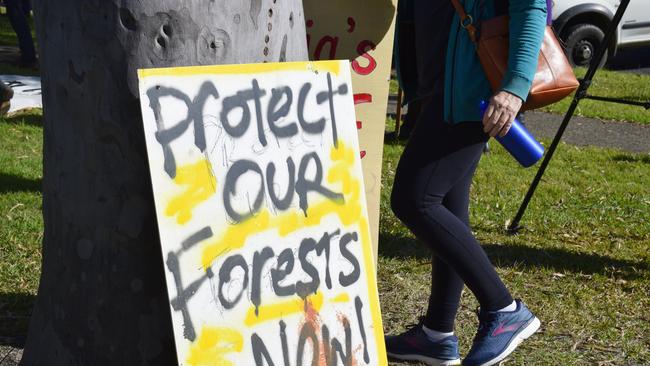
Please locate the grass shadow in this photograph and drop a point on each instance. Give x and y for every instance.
(27, 117)
(15, 311)
(12, 69)
(401, 247)
(645, 159)
(389, 139)
(12, 183)
(562, 260)
(630, 59)
(525, 257)
(635, 98)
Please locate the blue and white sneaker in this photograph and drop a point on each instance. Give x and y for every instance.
(499, 333)
(415, 345)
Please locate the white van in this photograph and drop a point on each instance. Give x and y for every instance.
(581, 24)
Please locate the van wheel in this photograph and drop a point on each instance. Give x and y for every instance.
(582, 43)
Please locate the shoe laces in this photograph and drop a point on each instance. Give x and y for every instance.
(487, 321)
(414, 327)
(418, 324)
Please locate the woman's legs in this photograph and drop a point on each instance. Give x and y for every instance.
(446, 288)
(446, 285)
(438, 159)
(18, 20)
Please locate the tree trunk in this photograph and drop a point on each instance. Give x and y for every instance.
(102, 298)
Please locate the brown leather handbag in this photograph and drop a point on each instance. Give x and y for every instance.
(554, 78)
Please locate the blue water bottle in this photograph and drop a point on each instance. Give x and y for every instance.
(519, 142)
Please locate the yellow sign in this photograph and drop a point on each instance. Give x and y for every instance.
(361, 31)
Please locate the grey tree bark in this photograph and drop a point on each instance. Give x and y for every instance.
(102, 298)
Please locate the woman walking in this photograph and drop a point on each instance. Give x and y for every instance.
(432, 183)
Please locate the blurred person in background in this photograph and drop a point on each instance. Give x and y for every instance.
(18, 12)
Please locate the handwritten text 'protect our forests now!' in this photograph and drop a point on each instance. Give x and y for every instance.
(262, 217)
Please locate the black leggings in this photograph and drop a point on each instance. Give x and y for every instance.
(431, 197)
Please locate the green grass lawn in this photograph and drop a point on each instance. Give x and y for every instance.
(582, 264)
(21, 224)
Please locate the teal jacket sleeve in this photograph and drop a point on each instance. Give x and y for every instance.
(527, 24)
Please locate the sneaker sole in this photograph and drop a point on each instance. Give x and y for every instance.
(427, 360)
(520, 337)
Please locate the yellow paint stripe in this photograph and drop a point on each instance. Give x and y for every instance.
(200, 185)
(235, 237)
(320, 66)
(213, 345)
(282, 309)
(373, 294)
(344, 297)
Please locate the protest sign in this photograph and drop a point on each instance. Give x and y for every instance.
(264, 230)
(361, 31)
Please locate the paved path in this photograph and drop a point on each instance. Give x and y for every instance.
(626, 136)
(583, 131)
(10, 356)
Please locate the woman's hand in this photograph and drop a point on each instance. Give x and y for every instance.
(500, 113)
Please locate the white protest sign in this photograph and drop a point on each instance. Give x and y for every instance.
(260, 203)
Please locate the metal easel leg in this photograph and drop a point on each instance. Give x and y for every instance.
(398, 112)
(581, 93)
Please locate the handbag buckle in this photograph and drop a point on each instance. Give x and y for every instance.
(467, 21)
(468, 24)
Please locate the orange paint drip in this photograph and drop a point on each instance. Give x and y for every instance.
(357, 350)
(200, 183)
(213, 345)
(342, 319)
(312, 317)
(349, 212)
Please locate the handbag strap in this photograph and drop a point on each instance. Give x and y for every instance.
(466, 20)
(501, 7)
